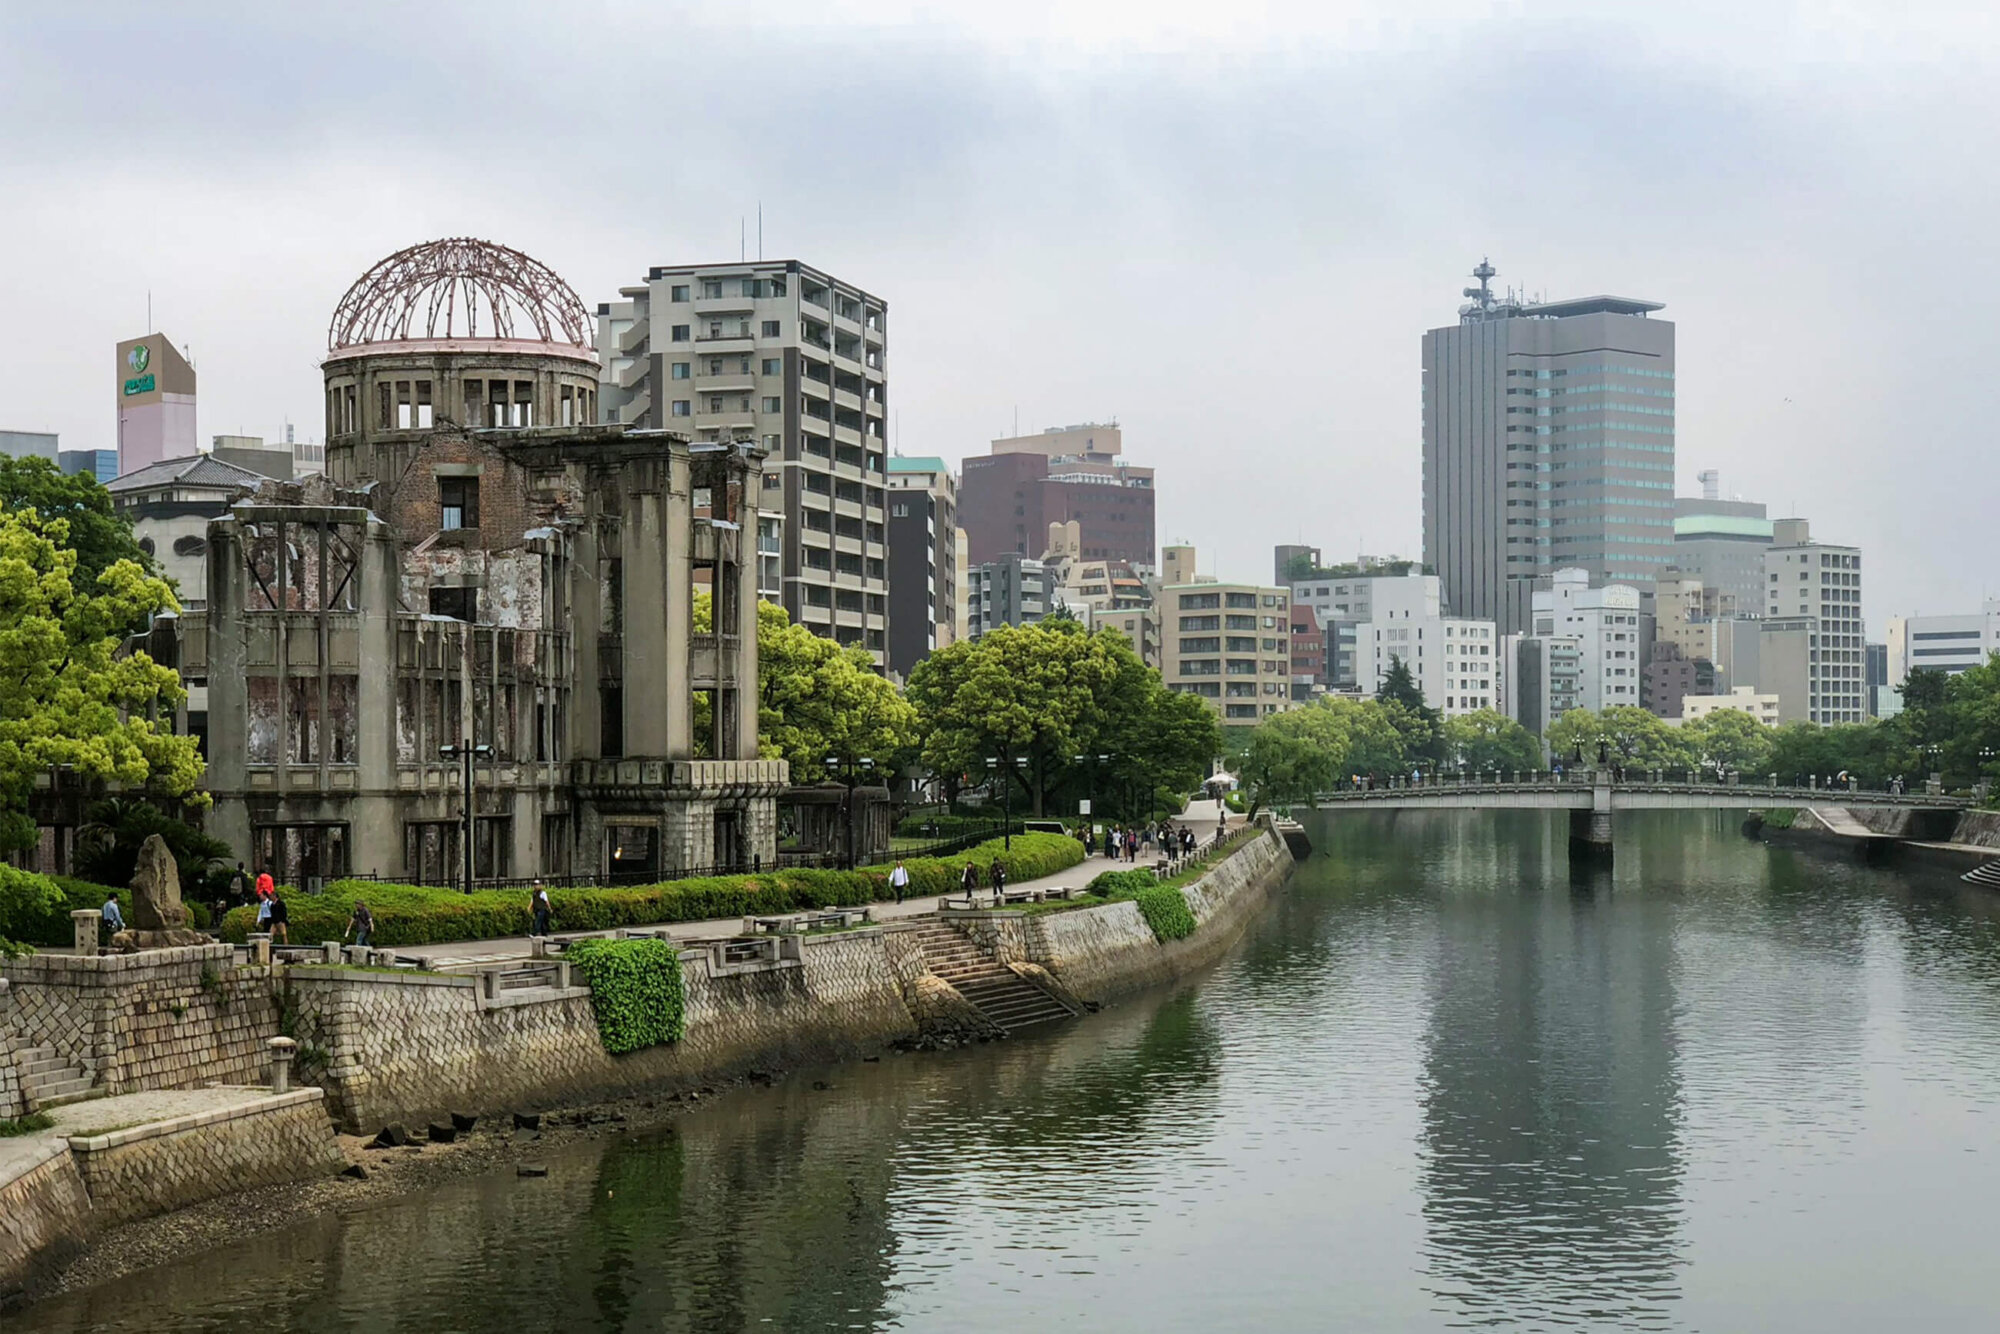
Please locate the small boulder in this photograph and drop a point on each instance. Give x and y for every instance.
(527, 1121)
(392, 1136)
(462, 1123)
(356, 1171)
(443, 1134)
(531, 1170)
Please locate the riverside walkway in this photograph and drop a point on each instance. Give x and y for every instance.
(1200, 816)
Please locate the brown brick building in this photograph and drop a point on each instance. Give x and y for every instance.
(1007, 500)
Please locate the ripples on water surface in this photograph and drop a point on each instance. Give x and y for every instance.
(1439, 1086)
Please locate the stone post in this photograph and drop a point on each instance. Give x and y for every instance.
(260, 947)
(330, 949)
(562, 974)
(84, 922)
(282, 1050)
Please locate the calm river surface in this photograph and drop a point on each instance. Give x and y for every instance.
(1438, 1086)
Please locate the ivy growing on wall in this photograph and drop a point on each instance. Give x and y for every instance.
(635, 991)
(1165, 909)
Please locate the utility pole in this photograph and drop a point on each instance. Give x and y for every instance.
(465, 752)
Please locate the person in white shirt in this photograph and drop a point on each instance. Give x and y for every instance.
(899, 880)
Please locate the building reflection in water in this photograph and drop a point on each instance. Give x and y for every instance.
(1550, 1170)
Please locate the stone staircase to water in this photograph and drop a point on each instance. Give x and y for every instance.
(994, 989)
(47, 1080)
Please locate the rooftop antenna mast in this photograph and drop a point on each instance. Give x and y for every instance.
(1483, 294)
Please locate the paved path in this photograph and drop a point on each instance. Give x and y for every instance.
(1200, 815)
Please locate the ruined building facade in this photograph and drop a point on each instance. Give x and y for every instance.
(483, 567)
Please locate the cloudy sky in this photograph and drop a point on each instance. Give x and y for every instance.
(1224, 225)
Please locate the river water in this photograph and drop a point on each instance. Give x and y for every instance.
(1440, 1085)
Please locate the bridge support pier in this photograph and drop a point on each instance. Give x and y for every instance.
(1590, 831)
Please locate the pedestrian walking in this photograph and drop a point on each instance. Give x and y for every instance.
(539, 909)
(999, 879)
(263, 914)
(239, 886)
(111, 920)
(280, 921)
(899, 881)
(968, 880)
(361, 925)
(1089, 840)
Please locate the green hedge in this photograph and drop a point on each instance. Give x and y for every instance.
(422, 915)
(35, 909)
(1165, 909)
(635, 991)
(1780, 819)
(947, 826)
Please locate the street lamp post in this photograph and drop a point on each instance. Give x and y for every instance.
(1094, 763)
(465, 753)
(1004, 769)
(849, 772)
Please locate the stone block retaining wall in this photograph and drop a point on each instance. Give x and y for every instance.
(12, 1102)
(154, 1169)
(161, 1019)
(70, 1190)
(403, 1047)
(44, 1220)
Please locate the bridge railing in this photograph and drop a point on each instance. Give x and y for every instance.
(1402, 787)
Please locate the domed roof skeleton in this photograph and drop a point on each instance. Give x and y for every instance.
(445, 284)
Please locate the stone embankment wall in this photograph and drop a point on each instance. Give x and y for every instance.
(44, 1218)
(157, 1168)
(59, 1195)
(161, 1019)
(1100, 954)
(12, 1103)
(410, 1047)
(403, 1047)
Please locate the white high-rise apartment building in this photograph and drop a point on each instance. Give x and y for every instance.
(1947, 644)
(796, 360)
(1454, 660)
(1815, 648)
(1346, 603)
(1604, 622)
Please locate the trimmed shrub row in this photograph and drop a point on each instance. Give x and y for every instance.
(421, 915)
(635, 991)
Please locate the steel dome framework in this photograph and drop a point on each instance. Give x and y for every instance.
(459, 287)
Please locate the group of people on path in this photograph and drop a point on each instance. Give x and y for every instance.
(241, 890)
(1125, 844)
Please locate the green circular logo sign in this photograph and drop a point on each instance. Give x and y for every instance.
(139, 358)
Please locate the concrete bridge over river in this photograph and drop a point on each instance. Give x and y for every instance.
(1593, 797)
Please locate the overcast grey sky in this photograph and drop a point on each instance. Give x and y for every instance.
(1225, 225)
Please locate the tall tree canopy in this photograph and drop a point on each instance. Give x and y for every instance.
(817, 699)
(1290, 756)
(1486, 739)
(1421, 725)
(100, 536)
(1633, 738)
(67, 697)
(1048, 692)
(1730, 740)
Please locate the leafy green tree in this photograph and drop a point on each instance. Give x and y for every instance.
(108, 844)
(1321, 746)
(816, 698)
(1487, 739)
(1422, 726)
(1631, 737)
(100, 536)
(68, 698)
(1045, 693)
(1730, 740)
